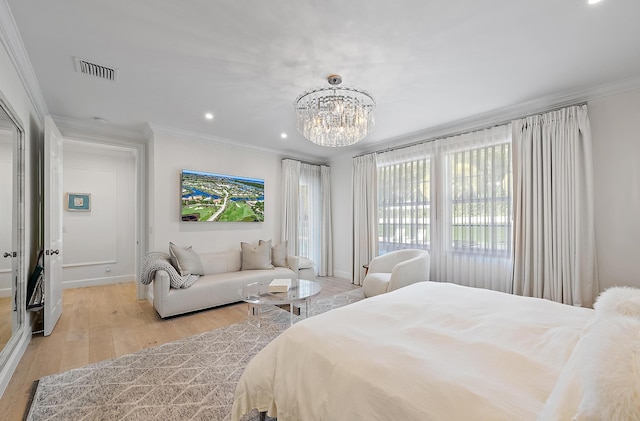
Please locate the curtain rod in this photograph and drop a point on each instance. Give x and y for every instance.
(306, 162)
(476, 129)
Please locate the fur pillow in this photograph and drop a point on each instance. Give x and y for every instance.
(185, 260)
(619, 300)
(611, 370)
(256, 257)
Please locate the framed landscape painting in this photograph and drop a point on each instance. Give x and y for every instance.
(211, 197)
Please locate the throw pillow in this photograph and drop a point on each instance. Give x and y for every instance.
(185, 260)
(256, 257)
(278, 254)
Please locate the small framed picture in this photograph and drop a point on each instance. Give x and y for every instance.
(78, 201)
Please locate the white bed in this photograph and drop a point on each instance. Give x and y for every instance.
(429, 351)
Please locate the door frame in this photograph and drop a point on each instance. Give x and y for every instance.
(129, 140)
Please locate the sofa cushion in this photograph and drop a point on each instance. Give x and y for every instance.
(256, 257)
(185, 260)
(221, 261)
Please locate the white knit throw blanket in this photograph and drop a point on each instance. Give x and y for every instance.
(157, 260)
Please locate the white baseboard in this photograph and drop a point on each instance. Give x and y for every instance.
(5, 292)
(14, 359)
(98, 281)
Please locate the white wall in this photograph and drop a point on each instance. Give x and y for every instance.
(171, 152)
(616, 153)
(616, 156)
(99, 245)
(342, 215)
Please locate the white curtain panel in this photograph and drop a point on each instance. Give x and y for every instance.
(472, 237)
(309, 213)
(290, 201)
(554, 232)
(325, 267)
(306, 220)
(365, 222)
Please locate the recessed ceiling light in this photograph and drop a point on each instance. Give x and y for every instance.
(283, 135)
(593, 1)
(208, 116)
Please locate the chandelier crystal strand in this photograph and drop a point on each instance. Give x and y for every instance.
(335, 116)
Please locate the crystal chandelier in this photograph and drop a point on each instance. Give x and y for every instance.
(335, 116)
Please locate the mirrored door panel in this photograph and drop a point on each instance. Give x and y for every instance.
(12, 228)
(7, 139)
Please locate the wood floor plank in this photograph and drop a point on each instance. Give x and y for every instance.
(108, 321)
(101, 344)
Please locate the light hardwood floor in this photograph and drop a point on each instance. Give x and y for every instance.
(5, 320)
(103, 322)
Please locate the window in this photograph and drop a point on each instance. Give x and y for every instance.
(453, 197)
(309, 212)
(479, 204)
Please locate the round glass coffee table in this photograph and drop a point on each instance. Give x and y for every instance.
(257, 295)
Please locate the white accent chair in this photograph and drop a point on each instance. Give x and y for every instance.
(395, 270)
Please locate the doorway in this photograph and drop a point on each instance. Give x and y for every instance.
(99, 218)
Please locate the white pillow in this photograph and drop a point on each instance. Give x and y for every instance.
(185, 260)
(611, 370)
(619, 300)
(256, 257)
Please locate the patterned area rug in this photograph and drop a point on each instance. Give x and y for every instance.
(188, 379)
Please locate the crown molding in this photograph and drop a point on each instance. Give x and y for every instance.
(81, 129)
(186, 134)
(12, 41)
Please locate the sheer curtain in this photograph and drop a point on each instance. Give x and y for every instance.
(451, 196)
(309, 213)
(306, 220)
(365, 223)
(404, 198)
(554, 253)
(325, 267)
(290, 203)
(472, 237)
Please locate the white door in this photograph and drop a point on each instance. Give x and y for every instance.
(53, 201)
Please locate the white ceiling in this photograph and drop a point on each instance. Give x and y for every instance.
(428, 63)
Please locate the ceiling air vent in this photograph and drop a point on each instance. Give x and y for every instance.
(96, 70)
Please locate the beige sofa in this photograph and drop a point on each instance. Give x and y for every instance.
(219, 285)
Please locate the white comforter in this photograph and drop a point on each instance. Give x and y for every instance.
(429, 351)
